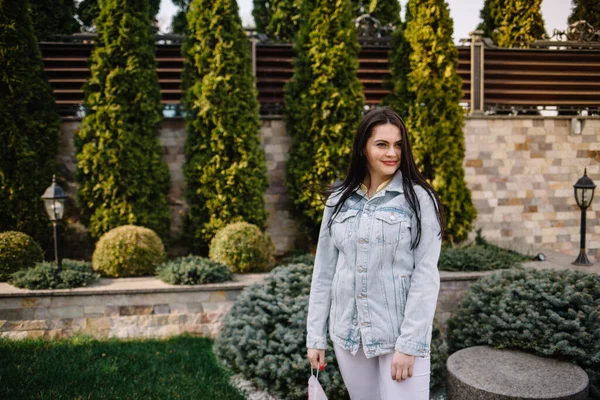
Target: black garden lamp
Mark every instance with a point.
(584, 194)
(54, 200)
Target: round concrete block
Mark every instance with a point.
(483, 372)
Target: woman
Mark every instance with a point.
(375, 282)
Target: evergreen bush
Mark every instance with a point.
(193, 270)
(225, 169)
(264, 336)
(434, 118)
(28, 126)
(552, 313)
(17, 251)
(243, 247)
(587, 10)
(323, 101)
(128, 251)
(439, 356)
(89, 10)
(46, 275)
(122, 177)
(512, 23)
(53, 17)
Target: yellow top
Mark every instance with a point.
(365, 189)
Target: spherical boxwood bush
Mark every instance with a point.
(552, 313)
(193, 270)
(46, 275)
(128, 251)
(264, 338)
(17, 251)
(243, 247)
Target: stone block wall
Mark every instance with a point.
(520, 170)
(119, 314)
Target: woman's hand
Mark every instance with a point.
(402, 366)
(317, 358)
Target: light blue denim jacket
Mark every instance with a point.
(368, 287)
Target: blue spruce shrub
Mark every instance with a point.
(551, 313)
(264, 336)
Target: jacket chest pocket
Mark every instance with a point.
(344, 225)
(391, 227)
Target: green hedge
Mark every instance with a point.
(121, 174)
(551, 313)
(193, 270)
(243, 247)
(225, 170)
(46, 275)
(17, 251)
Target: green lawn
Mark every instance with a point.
(80, 368)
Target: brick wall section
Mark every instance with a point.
(139, 314)
(521, 173)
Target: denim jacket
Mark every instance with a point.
(368, 287)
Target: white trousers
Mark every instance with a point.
(371, 378)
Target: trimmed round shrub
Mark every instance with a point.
(17, 251)
(551, 313)
(128, 250)
(264, 338)
(45, 275)
(243, 247)
(193, 270)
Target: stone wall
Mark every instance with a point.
(136, 312)
(521, 172)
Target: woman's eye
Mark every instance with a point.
(380, 144)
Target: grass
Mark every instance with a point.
(80, 368)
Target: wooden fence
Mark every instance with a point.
(505, 78)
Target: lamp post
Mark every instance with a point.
(54, 201)
(584, 194)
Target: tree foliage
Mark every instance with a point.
(512, 23)
(53, 17)
(28, 126)
(122, 177)
(179, 21)
(433, 116)
(280, 19)
(323, 101)
(588, 10)
(225, 169)
(89, 10)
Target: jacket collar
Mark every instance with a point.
(394, 186)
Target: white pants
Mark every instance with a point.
(371, 378)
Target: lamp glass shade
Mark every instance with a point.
(55, 208)
(584, 191)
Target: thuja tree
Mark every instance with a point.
(122, 177)
(588, 10)
(280, 19)
(225, 170)
(399, 63)
(28, 125)
(434, 117)
(323, 101)
(53, 17)
(512, 23)
(89, 10)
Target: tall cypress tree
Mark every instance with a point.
(399, 63)
(512, 23)
(323, 101)
(225, 168)
(434, 118)
(89, 10)
(280, 19)
(122, 177)
(53, 17)
(28, 126)
(588, 10)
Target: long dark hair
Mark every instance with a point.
(357, 172)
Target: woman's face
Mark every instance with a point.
(383, 151)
